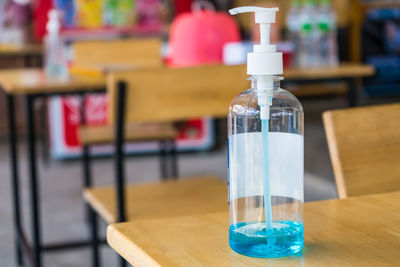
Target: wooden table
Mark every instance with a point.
(34, 81)
(344, 70)
(33, 84)
(26, 52)
(359, 231)
(349, 73)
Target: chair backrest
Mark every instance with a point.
(364, 145)
(144, 52)
(173, 94)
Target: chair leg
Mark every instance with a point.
(119, 156)
(87, 179)
(174, 161)
(163, 163)
(15, 180)
(91, 217)
(94, 238)
(119, 153)
(122, 262)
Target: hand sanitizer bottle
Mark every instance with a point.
(265, 126)
(55, 62)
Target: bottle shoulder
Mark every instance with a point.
(246, 102)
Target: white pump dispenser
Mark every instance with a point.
(53, 25)
(264, 61)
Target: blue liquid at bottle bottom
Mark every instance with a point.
(252, 239)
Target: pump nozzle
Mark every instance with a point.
(264, 60)
(263, 15)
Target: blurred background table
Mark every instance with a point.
(34, 81)
(30, 54)
(33, 84)
(358, 231)
(349, 73)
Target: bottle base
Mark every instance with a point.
(253, 239)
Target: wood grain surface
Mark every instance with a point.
(185, 196)
(34, 81)
(185, 93)
(359, 231)
(91, 135)
(364, 145)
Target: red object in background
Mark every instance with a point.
(199, 37)
(182, 6)
(96, 114)
(40, 11)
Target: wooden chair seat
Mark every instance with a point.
(92, 135)
(162, 199)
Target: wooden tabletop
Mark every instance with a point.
(34, 81)
(345, 70)
(29, 49)
(359, 231)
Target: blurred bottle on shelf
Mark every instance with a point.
(313, 33)
(56, 67)
(326, 21)
(292, 22)
(67, 8)
(14, 19)
(89, 13)
(119, 12)
(307, 48)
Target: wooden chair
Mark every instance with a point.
(102, 57)
(164, 95)
(111, 55)
(364, 145)
(128, 53)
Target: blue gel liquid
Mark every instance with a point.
(253, 239)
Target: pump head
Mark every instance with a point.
(53, 24)
(264, 60)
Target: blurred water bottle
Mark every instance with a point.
(307, 51)
(326, 21)
(119, 12)
(67, 8)
(293, 22)
(55, 61)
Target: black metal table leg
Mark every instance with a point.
(352, 93)
(163, 163)
(34, 185)
(174, 162)
(94, 240)
(119, 156)
(43, 131)
(91, 216)
(87, 178)
(15, 179)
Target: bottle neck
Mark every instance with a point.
(265, 82)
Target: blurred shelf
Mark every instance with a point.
(29, 49)
(71, 34)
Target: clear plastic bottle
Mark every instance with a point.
(308, 53)
(326, 21)
(248, 233)
(265, 128)
(55, 61)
